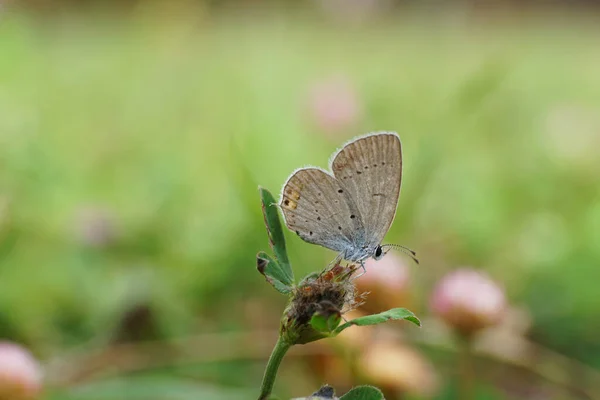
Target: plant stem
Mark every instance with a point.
(466, 380)
(281, 347)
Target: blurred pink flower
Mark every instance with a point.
(334, 105)
(398, 367)
(20, 373)
(356, 11)
(391, 271)
(387, 280)
(468, 301)
(95, 227)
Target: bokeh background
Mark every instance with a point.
(134, 135)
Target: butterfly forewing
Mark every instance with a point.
(370, 169)
(319, 209)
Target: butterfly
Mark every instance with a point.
(350, 208)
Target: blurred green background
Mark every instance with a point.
(133, 139)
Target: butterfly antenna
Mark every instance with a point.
(412, 254)
(404, 248)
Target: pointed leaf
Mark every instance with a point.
(276, 238)
(393, 314)
(272, 272)
(363, 393)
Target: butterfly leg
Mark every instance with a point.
(364, 270)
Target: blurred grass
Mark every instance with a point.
(169, 127)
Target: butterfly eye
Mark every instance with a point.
(378, 253)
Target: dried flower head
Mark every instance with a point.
(330, 293)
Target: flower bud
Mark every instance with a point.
(326, 392)
(468, 301)
(20, 373)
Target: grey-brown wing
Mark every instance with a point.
(370, 168)
(319, 210)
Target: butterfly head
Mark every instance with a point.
(379, 253)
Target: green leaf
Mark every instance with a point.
(272, 272)
(327, 319)
(393, 314)
(276, 238)
(363, 393)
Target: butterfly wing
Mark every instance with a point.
(370, 168)
(318, 208)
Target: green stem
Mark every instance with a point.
(281, 347)
(467, 377)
